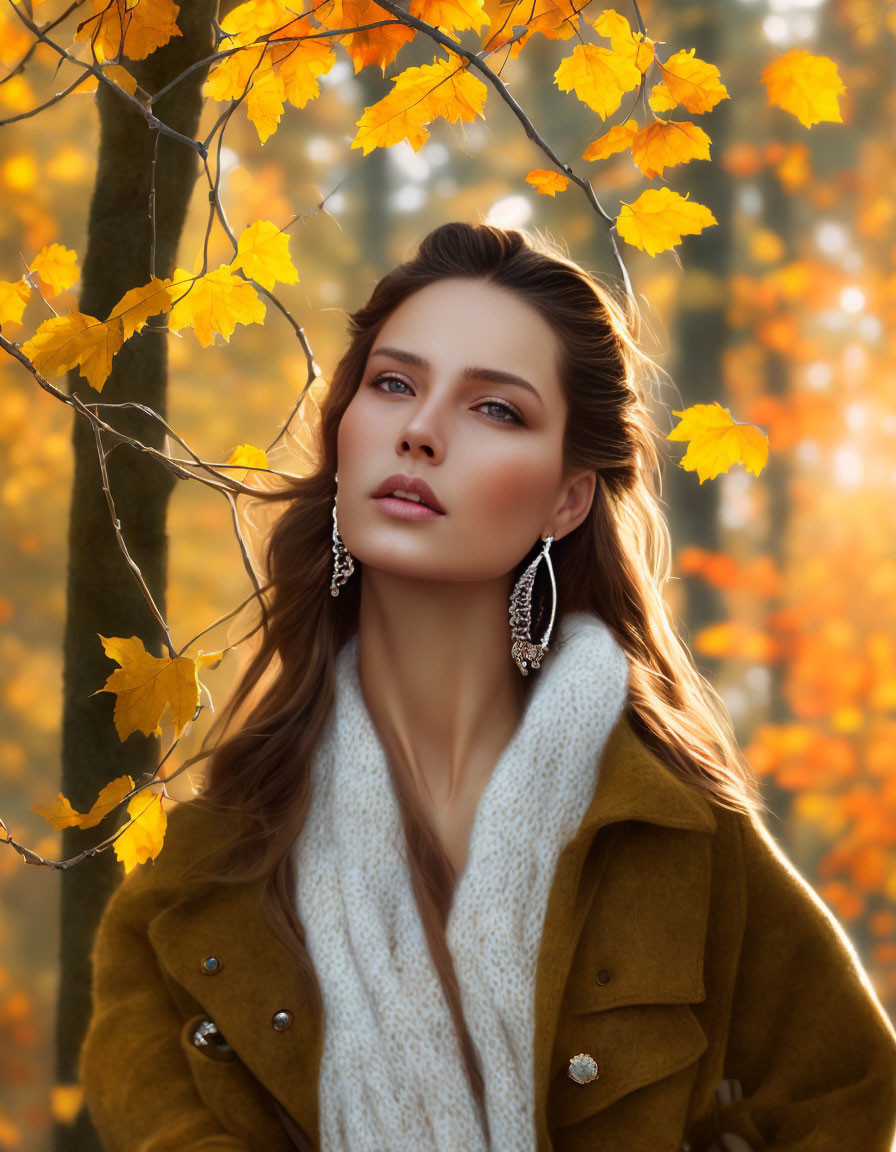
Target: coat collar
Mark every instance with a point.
(634, 784)
(258, 976)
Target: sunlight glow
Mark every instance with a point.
(736, 499)
(856, 416)
(749, 199)
(790, 20)
(819, 375)
(320, 149)
(849, 468)
(229, 159)
(412, 165)
(408, 198)
(852, 299)
(436, 154)
(510, 212)
(831, 238)
(335, 203)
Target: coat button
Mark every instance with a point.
(281, 1020)
(603, 977)
(211, 964)
(582, 1068)
(209, 1039)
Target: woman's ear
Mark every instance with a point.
(577, 496)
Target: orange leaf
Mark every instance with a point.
(668, 142)
(145, 684)
(138, 304)
(717, 441)
(689, 81)
(598, 76)
(64, 341)
(143, 838)
(57, 266)
(617, 139)
(14, 295)
(60, 814)
(548, 181)
(659, 218)
(634, 45)
(806, 85)
(147, 26)
(419, 95)
(216, 302)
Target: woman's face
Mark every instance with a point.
(491, 450)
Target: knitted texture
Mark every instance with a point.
(392, 1075)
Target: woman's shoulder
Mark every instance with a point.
(194, 832)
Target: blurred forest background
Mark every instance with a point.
(785, 313)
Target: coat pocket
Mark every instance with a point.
(229, 1090)
(630, 1047)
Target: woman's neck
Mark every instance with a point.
(438, 680)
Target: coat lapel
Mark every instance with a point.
(656, 878)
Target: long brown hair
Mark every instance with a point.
(615, 565)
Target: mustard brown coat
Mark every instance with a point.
(722, 1002)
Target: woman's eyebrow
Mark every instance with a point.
(488, 375)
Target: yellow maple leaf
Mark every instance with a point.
(300, 63)
(263, 254)
(216, 302)
(138, 304)
(62, 342)
(148, 25)
(248, 456)
(419, 95)
(142, 839)
(668, 142)
(548, 181)
(717, 441)
(451, 15)
(287, 67)
(60, 814)
(690, 81)
(120, 76)
(553, 19)
(616, 139)
(377, 46)
(145, 684)
(806, 85)
(659, 218)
(266, 99)
(640, 49)
(57, 266)
(598, 76)
(14, 295)
(231, 76)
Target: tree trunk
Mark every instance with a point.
(102, 594)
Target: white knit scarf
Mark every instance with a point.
(392, 1075)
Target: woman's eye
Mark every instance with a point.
(509, 414)
(383, 379)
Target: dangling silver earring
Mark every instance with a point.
(525, 649)
(343, 563)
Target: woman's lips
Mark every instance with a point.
(405, 509)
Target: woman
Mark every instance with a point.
(481, 865)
